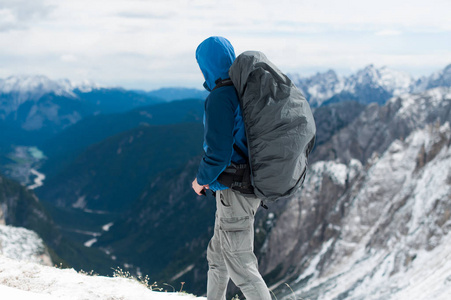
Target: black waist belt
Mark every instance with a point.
(238, 178)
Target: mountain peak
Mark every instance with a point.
(38, 85)
(369, 67)
(27, 83)
(440, 78)
(370, 72)
(326, 76)
(392, 81)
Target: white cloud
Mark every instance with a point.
(7, 19)
(388, 32)
(20, 14)
(152, 43)
(68, 58)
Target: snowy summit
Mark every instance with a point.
(27, 280)
(35, 86)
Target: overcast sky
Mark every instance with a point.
(148, 44)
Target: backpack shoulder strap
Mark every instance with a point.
(227, 82)
(222, 82)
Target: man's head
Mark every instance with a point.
(215, 55)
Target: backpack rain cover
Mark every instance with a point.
(279, 124)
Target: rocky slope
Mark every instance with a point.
(109, 176)
(20, 207)
(375, 210)
(71, 142)
(377, 127)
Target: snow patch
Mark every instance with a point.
(335, 171)
(183, 272)
(23, 244)
(24, 280)
(90, 242)
(80, 203)
(312, 266)
(107, 227)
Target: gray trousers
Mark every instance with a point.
(230, 253)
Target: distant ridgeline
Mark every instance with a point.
(368, 85)
(118, 183)
(34, 108)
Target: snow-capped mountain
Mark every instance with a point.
(441, 78)
(370, 84)
(356, 231)
(32, 108)
(33, 87)
(320, 87)
(23, 244)
(394, 82)
(373, 218)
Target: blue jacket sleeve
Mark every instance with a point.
(218, 136)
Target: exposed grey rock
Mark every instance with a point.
(331, 118)
(375, 129)
(368, 218)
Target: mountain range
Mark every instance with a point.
(64, 146)
(34, 108)
(370, 84)
(36, 102)
(373, 218)
(373, 211)
(110, 175)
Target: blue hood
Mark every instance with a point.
(215, 55)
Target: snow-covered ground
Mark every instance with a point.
(27, 280)
(23, 244)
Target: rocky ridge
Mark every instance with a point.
(371, 216)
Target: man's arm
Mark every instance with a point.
(219, 124)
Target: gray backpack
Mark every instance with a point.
(279, 125)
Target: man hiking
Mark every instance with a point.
(230, 252)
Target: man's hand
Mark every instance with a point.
(199, 188)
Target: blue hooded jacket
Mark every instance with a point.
(223, 122)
